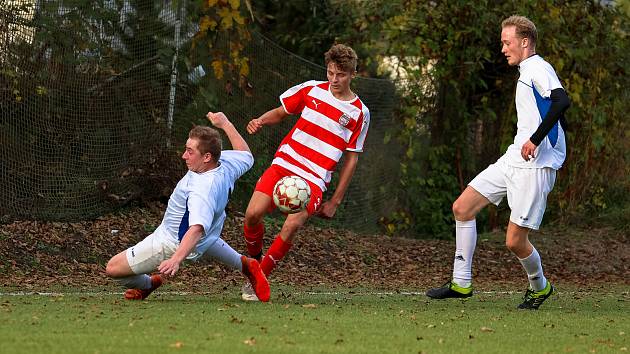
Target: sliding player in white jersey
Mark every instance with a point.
(525, 174)
(194, 217)
(333, 121)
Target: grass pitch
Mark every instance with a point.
(325, 321)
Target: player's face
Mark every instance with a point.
(512, 46)
(339, 79)
(195, 160)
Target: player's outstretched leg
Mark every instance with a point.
(450, 290)
(257, 280)
(141, 294)
(533, 299)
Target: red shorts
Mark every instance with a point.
(272, 175)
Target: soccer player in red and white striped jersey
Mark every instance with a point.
(332, 121)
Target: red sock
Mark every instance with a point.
(275, 253)
(254, 239)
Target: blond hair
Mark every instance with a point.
(525, 28)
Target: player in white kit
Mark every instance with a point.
(194, 217)
(525, 173)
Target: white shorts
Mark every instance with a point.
(526, 190)
(146, 255)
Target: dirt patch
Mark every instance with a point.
(38, 255)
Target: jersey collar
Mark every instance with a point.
(526, 61)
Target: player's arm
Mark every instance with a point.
(329, 208)
(187, 244)
(559, 104)
(271, 117)
(221, 121)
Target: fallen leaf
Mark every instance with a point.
(177, 344)
(69, 254)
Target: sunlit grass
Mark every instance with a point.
(347, 321)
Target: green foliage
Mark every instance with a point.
(594, 72)
(219, 22)
(303, 27)
(445, 53)
(213, 56)
(457, 111)
(308, 28)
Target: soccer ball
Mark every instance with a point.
(291, 194)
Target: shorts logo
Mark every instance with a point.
(344, 119)
(459, 257)
(133, 254)
(317, 204)
(524, 218)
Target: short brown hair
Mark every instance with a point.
(525, 28)
(343, 56)
(209, 140)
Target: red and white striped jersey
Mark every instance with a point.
(326, 128)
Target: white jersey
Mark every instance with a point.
(533, 101)
(201, 198)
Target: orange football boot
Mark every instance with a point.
(251, 269)
(141, 294)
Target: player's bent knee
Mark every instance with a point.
(461, 211)
(254, 215)
(114, 269)
(253, 218)
(514, 246)
(110, 269)
(291, 226)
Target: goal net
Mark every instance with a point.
(97, 99)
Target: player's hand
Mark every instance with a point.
(169, 267)
(254, 125)
(327, 210)
(218, 119)
(528, 151)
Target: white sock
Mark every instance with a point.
(465, 242)
(533, 267)
(225, 254)
(138, 281)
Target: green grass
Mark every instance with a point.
(359, 321)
